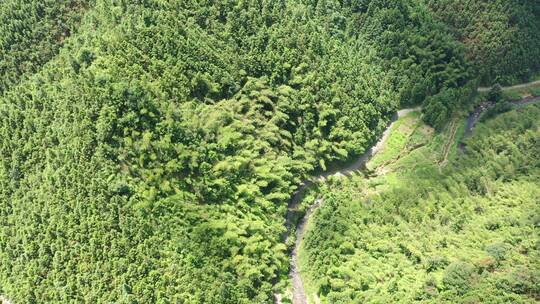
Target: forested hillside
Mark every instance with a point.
(32, 32)
(465, 233)
(152, 159)
(148, 149)
(502, 37)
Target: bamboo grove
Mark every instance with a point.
(148, 148)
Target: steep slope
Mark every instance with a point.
(152, 159)
(32, 32)
(502, 37)
(424, 234)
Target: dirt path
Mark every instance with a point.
(519, 86)
(299, 295)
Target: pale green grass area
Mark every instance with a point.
(397, 141)
(460, 132)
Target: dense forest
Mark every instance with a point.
(502, 37)
(32, 32)
(466, 234)
(148, 149)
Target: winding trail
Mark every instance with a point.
(299, 295)
(519, 86)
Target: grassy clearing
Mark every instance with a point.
(424, 152)
(309, 286)
(397, 141)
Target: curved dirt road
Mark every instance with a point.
(299, 293)
(519, 86)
